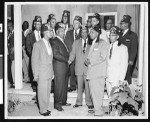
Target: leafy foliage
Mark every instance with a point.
(125, 100)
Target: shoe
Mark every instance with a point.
(46, 113)
(34, 98)
(75, 106)
(12, 86)
(91, 111)
(90, 107)
(71, 89)
(67, 104)
(59, 108)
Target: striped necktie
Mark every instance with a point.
(111, 51)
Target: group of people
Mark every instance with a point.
(85, 55)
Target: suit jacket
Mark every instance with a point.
(130, 39)
(11, 45)
(69, 39)
(97, 56)
(30, 40)
(79, 57)
(118, 63)
(41, 62)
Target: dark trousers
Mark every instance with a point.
(129, 74)
(73, 79)
(9, 71)
(60, 86)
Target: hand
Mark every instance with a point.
(36, 79)
(69, 62)
(130, 63)
(87, 62)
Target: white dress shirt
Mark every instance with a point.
(48, 47)
(37, 35)
(77, 33)
(83, 43)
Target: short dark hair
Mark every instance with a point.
(25, 25)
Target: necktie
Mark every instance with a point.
(84, 46)
(75, 34)
(39, 37)
(111, 51)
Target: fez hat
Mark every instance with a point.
(66, 13)
(59, 25)
(50, 17)
(38, 19)
(97, 16)
(78, 18)
(115, 30)
(126, 19)
(84, 27)
(45, 27)
(97, 28)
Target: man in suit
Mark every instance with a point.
(96, 72)
(60, 65)
(42, 57)
(96, 21)
(70, 37)
(33, 37)
(117, 60)
(10, 27)
(52, 23)
(109, 24)
(66, 20)
(11, 50)
(130, 39)
(25, 64)
(80, 49)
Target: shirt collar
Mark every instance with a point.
(83, 40)
(60, 38)
(125, 31)
(77, 31)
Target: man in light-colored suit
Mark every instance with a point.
(79, 53)
(96, 73)
(42, 67)
(117, 60)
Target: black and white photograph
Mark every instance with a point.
(75, 60)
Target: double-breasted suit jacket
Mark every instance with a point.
(60, 65)
(43, 71)
(97, 56)
(117, 64)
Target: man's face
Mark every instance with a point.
(94, 22)
(53, 22)
(84, 34)
(113, 37)
(89, 22)
(10, 27)
(123, 25)
(65, 19)
(50, 34)
(38, 26)
(109, 24)
(76, 24)
(61, 32)
(93, 34)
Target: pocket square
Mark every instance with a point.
(95, 49)
(127, 40)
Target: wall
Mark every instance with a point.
(30, 11)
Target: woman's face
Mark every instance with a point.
(53, 23)
(65, 19)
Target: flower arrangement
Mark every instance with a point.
(125, 100)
